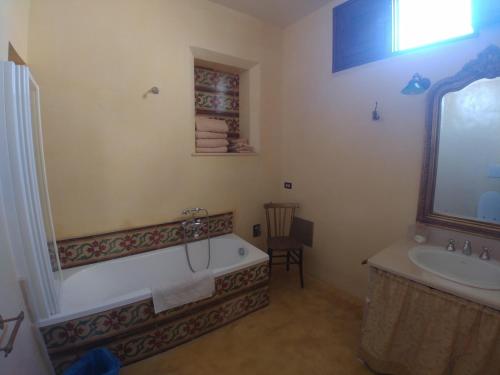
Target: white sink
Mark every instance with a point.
(454, 266)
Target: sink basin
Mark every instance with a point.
(454, 266)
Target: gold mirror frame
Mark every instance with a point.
(486, 65)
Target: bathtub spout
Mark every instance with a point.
(194, 226)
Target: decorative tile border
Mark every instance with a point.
(162, 337)
(217, 103)
(211, 80)
(98, 248)
(83, 331)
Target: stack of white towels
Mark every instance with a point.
(211, 135)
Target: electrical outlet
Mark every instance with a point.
(288, 185)
(256, 230)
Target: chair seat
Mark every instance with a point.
(283, 243)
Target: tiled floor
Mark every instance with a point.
(310, 331)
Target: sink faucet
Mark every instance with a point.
(485, 254)
(467, 250)
(451, 245)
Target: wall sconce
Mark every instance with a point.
(417, 85)
(376, 113)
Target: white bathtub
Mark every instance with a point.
(102, 286)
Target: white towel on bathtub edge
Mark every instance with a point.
(201, 285)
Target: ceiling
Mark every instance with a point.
(280, 13)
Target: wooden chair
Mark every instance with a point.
(280, 244)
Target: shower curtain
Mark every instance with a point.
(23, 189)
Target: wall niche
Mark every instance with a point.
(226, 91)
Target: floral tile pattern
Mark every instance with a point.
(160, 337)
(216, 103)
(99, 326)
(81, 251)
(212, 80)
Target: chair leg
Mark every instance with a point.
(270, 252)
(287, 261)
(301, 261)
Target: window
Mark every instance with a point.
(369, 30)
(424, 22)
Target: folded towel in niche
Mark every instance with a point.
(236, 145)
(198, 286)
(241, 149)
(240, 145)
(210, 135)
(205, 143)
(205, 124)
(208, 150)
(238, 141)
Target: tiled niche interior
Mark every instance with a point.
(217, 94)
(228, 87)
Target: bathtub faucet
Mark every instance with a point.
(194, 225)
(194, 211)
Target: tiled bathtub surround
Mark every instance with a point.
(134, 331)
(81, 331)
(98, 248)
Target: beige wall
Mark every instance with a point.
(14, 17)
(468, 144)
(357, 179)
(116, 160)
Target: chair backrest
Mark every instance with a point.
(279, 217)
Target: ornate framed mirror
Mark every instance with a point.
(460, 186)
